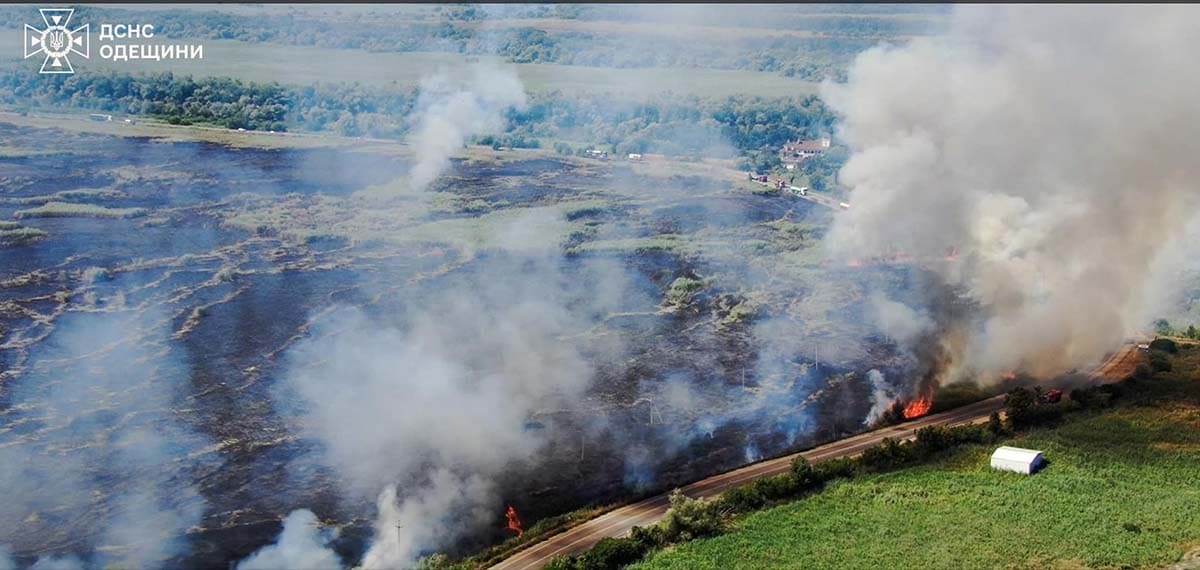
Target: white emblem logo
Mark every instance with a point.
(56, 41)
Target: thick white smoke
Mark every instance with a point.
(302, 545)
(1052, 145)
(882, 396)
(454, 107)
(431, 412)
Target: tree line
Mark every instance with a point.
(666, 123)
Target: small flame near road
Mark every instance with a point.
(917, 408)
(514, 522)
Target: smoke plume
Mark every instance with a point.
(454, 107)
(1052, 145)
(301, 546)
(882, 396)
(433, 408)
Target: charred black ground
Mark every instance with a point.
(237, 252)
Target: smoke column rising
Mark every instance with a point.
(1053, 145)
(453, 108)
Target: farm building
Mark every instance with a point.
(796, 152)
(1017, 460)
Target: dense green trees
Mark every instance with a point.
(668, 124)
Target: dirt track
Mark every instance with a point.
(618, 522)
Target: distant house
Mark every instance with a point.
(100, 118)
(795, 152)
(635, 156)
(597, 153)
(1017, 460)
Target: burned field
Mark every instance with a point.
(170, 358)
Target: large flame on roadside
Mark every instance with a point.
(918, 408)
(514, 522)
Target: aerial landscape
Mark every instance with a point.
(585, 286)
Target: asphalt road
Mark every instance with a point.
(618, 522)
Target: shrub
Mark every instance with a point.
(888, 454)
(994, 426)
(804, 474)
(1164, 344)
(744, 499)
(690, 518)
(1142, 371)
(611, 554)
(778, 487)
(1018, 406)
(561, 563)
(930, 440)
(650, 536)
(1159, 361)
(834, 469)
(894, 414)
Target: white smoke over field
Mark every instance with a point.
(433, 410)
(301, 546)
(110, 455)
(1053, 146)
(423, 416)
(455, 107)
(882, 396)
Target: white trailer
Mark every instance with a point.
(1017, 460)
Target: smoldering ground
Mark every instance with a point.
(1051, 146)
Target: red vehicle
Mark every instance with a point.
(1052, 397)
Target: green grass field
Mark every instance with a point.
(1120, 492)
(303, 65)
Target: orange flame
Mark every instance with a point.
(514, 522)
(917, 408)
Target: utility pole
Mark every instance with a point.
(399, 538)
(582, 443)
(653, 411)
(743, 377)
(816, 356)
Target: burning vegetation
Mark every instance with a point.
(917, 408)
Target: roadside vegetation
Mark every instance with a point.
(1118, 492)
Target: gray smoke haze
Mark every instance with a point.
(1052, 145)
(455, 106)
(102, 461)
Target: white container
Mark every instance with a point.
(1017, 460)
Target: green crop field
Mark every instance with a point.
(302, 65)
(1120, 492)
